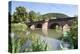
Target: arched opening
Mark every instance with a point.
(54, 26)
(39, 26)
(29, 26)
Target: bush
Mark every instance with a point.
(74, 32)
(19, 30)
(73, 35)
(15, 27)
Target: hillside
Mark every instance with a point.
(57, 15)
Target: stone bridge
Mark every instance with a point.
(52, 23)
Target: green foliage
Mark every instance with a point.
(72, 36)
(20, 15)
(68, 39)
(17, 44)
(19, 30)
(32, 16)
(39, 17)
(39, 46)
(18, 27)
(74, 33)
(37, 43)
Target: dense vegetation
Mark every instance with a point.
(74, 33)
(72, 36)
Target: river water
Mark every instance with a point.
(51, 39)
(52, 33)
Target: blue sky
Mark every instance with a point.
(44, 8)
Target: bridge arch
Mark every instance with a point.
(54, 25)
(39, 25)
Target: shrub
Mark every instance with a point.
(18, 27)
(19, 30)
(74, 32)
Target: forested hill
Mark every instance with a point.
(57, 15)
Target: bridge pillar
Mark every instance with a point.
(66, 28)
(45, 27)
(32, 27)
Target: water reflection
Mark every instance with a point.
(45, 32)
(50, 36)
(45, 35)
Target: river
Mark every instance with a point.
(51, 39)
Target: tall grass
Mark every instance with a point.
(20, 38)
(37, 43)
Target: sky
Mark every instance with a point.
(43, 8)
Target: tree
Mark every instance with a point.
(32, 16)
(74, 33)
(39, 16)
(20, 14)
